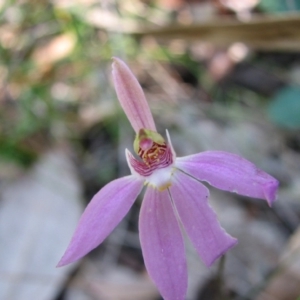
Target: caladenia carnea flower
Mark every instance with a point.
(174, 196)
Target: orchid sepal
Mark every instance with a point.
(131, 97)
(230, 172)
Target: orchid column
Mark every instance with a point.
(174, 196)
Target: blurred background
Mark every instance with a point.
(219, 74)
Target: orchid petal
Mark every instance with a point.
(230, 172)
(200, 222)
(131, 97)
(101, 216)
(131, 160)
(171, 146)
(162, 245)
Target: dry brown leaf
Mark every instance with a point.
(56, 49)
(285, 284)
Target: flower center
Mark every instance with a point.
(157, 158)
(154, 152)
(152, 155)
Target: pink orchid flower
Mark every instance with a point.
(174, 197)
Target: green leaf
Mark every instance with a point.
(279, 6)
(284, 108)
(10, 151)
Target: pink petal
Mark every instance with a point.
(230, 172)
(190, 198)
(101, 216)
(131, 97)
(171, 146)
(162, 245)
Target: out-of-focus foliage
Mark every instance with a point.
(45, 69)
(279, 6)
(284, 108)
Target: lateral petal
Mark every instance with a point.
(200, 222)
(162, 245)
(131, 97)
(230, 172)
(101, 216)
